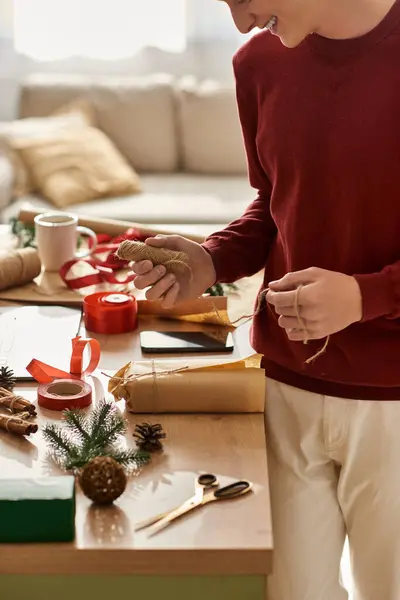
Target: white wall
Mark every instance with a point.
(212, 42)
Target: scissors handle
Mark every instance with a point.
(232, 490)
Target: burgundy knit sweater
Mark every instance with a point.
(321, 126)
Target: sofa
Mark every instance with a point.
(181, 136)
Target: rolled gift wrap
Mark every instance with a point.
(191, 386)
(37, 510)
(64, 394)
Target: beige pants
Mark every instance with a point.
(334, 468)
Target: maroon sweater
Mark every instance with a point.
(321, 126)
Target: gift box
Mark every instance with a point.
(191, 386)
(37, 510)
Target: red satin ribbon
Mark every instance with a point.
(103, 315)
(44, 373)
(104, 268)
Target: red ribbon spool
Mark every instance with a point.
(110, 313)
(63, 394)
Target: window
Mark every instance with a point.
(97, 29)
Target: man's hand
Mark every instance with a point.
(327, 302)
(170, 288)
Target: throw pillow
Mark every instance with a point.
(75, 115)
(71, 167)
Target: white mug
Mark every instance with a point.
(56, 235)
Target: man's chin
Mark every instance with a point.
(291, 40)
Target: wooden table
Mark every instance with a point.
(221, 551)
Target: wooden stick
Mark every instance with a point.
(109, 226)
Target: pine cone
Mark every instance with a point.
(103, 480)
(7, 378)
(148, 437)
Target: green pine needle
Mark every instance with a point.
(83, 437)
(76, 422)
(126, 457)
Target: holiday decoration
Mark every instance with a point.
(18, 425)
(103, 480)
(148, 437)
(7, 378)
(83, 437)
(16, 404)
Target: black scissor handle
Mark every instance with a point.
(232, 490)
(207, 479)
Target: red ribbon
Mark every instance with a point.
(104, 268)
(44, 373)
(110, 313)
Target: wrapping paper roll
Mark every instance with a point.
(109, 226)
(191, 386)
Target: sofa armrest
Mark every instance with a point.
(6, 180)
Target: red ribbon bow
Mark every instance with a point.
(44, 373)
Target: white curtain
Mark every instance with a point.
(98, 29)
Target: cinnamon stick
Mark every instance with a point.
(16, 404)
(17, 425)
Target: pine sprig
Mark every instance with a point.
(83, 437)
(76, 423)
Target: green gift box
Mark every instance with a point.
(37, 510)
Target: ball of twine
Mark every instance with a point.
(19, 267)
(103, 480)
(175, 262)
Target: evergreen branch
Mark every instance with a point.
(57, 438)
(99, 417)
(77, 422)
(130, 457)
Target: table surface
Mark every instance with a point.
(231, 537)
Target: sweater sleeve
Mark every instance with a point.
(241, 249)
(380, 293)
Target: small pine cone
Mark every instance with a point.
(148, 437)
(103, 480)
(7, 378)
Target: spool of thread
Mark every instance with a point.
(64, 394)
(110, 313)
(19, 267)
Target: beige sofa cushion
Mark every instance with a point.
(137, 114)
(211, 136)
(72, 167)
(74, 115)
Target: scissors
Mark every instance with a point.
(233, 490)
(202, 483)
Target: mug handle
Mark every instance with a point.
(89, 233)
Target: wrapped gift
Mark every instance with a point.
(206, 310)
(37, 509)
(191, 386)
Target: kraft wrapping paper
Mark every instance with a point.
(191, 386)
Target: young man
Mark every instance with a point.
(319, 104)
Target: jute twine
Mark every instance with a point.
(175, 262)
(19, 267)
(178, 262)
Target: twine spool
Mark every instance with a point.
(175, 262)
(19, 267)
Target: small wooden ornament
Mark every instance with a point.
(103, 480)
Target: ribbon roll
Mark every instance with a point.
(110, 313)
(64, 394)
